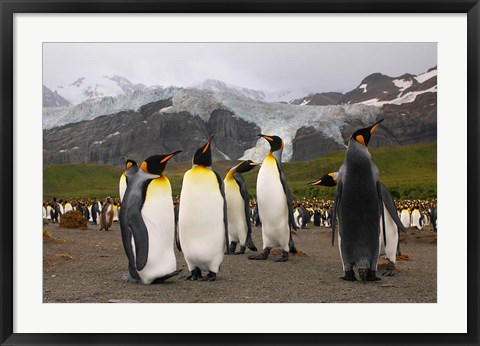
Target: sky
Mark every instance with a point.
(302, 67)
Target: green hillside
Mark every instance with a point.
(408, 171)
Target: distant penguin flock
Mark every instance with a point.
(213, 216)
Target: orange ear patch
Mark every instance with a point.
(129, 164)
(360, 139)
(144, 167)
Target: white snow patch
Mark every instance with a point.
(407, 98)
(165, 109)
(364, 87)
(226, 157)
(305, 102)
(98, 142)
(402, 84)
(113, 134)
(426, 76)
(75, 148)
(62, 151)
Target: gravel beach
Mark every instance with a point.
(86, 266)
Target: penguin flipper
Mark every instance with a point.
(392, 210)
(291, 219)
(338, 195)
(246, 202)
(380, 199)
(140, 237)
(225, 219)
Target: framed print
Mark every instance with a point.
(92, 90)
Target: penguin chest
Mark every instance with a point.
(122, 185)
(272, 204)
(237, 223)
(158, 215)
(201, 219)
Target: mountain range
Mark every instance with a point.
(105, 120)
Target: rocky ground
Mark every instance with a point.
(86, 266)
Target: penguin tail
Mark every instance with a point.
(291, 245)
(168, 276)
(363, 273)
(249, 243)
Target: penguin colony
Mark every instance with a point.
(214, 215)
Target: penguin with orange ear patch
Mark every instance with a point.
(147, 223)
(202, 217)
(274, 204)
(131, 168)
(359, 207)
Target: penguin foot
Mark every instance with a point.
(261, 256)
(283, 257)
(128, 278)
(372, 276)
(241, 252)
(349, 276)
(231, 248)
(211, 276)
(390, 270)
(196, 274)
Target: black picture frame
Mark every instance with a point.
(10, 7)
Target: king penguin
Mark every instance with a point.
(147, 223)
(359, 207)
(392, 223)
(131, 168)
(238, 208)
(274, 203)
(202, 218)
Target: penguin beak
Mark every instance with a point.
(316, 182)
(254, 164)
(374, 126)
(169, 156)
(207, 145)
(268, 138)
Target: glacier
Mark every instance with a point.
(281, 119)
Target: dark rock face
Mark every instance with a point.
(309, 144)
(319, 99)
(52, 98)
(232, 135)
(137, 135)
(408, 123)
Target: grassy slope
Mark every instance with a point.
(408, 171)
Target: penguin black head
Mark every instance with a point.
(203, 155)
(156, 164)
(246, 166)
(326, 180)
(363, 135)
(276, 143)
(130, 163)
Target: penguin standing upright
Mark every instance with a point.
(131, 168)
(392, 222)
(238, 208)
(405, 217)
(147, 223)
(202, 217)
(274, 203)
(359, 206)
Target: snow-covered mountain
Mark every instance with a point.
(89, 89)
(378, 89)
(53, 99)
(408, 102)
